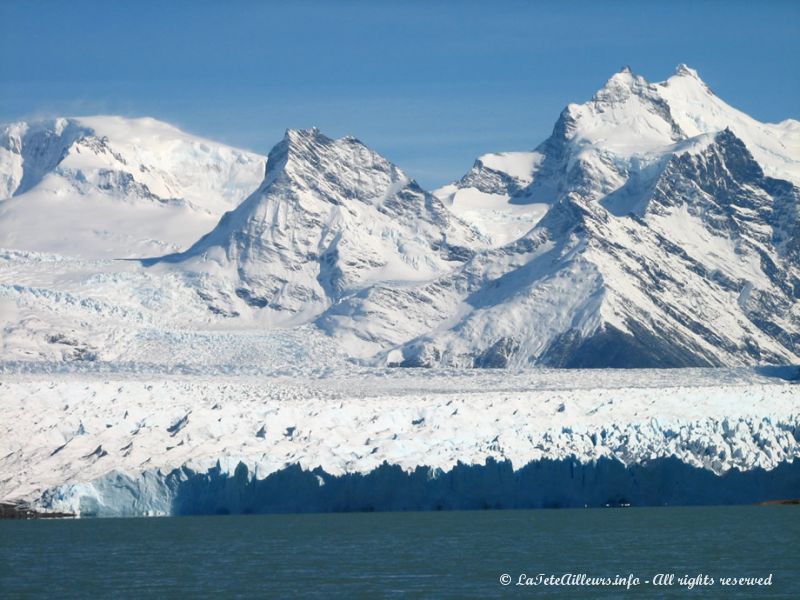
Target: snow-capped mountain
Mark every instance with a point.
(704, 273)
(661, 244)
(331, 218)
(656, 226)
(482, 197)
(110, 186)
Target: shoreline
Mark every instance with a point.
(19, 512)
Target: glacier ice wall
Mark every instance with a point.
(546, 483)
(129, 444)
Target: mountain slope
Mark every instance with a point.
(481, 197)
(331, 217)
(115, 187)
(706, 274)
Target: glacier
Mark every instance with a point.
(128, 444)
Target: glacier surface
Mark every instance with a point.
(122, 444)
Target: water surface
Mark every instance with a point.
(426, 554)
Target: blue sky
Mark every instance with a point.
(429, 84)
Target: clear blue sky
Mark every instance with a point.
(429, 84)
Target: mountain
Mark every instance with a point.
(661, 245)
(595, 147)
(111, 186)
(331, 218)
(656, 227)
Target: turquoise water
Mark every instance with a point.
(424, 555)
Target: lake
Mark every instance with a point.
(460, 554)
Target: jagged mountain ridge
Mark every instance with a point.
(115, 186)
(330, 218)
(591, 289)
(596, 146)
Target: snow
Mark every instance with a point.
(632, 117)
(519, 165)
(622, 134)
(115, 187)
(331, 218)
(483, 197)
(718, 252)
(492, 214)
(698, 110)
(622, 118)
(671, 253)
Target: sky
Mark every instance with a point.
(431, 85)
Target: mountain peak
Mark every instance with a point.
(134, 185)
(304, 154)
(330, 217)
(620, 86)
(683, 70)
(294, 135)
(312, 137)
(624, 76)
